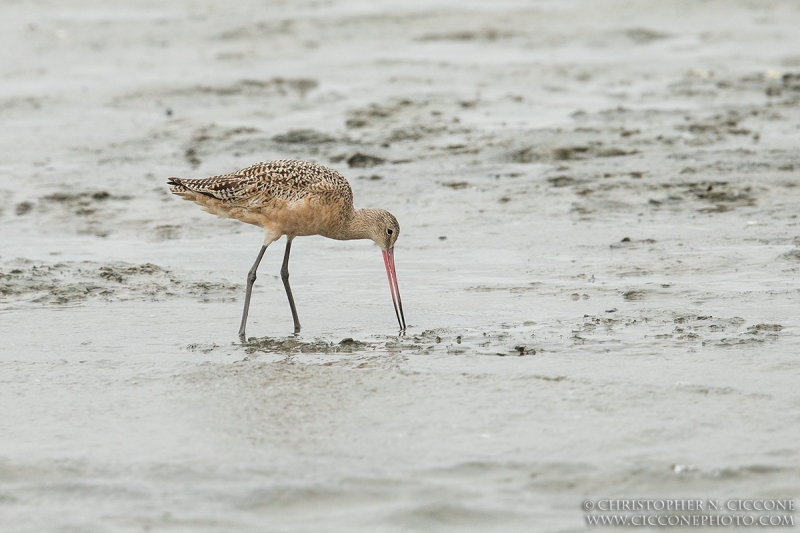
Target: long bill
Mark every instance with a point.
(388, 260)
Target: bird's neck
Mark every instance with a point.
(357, 226)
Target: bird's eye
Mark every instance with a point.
(389, 231)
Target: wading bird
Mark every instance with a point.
(294, 198)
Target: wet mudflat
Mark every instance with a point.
(598, 262)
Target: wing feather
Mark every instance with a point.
(284, 179)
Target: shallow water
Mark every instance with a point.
(598, 264)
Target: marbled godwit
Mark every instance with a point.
(294, 198)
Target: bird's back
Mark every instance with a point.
(285, 196)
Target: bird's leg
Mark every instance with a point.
(285, 278)
(251, 279)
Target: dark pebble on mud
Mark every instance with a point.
(23, 208)
(305, 136)
(191, 157)
(634, 295)
(561, 181)
(359, 160)
(569, 152)
(614, 152)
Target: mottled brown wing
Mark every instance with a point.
(284, 179)
(291, 180)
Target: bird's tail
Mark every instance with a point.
(176, 185)
(227, 187)
(188, 188)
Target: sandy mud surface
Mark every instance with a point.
(598, 263)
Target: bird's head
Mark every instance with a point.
(383, 228)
